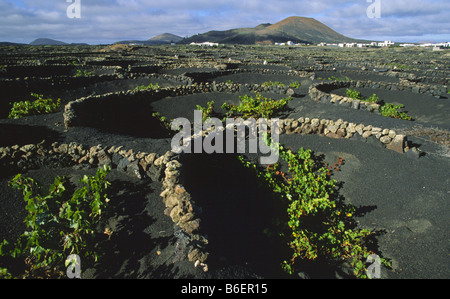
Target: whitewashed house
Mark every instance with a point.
(387, 43)
(205, 44)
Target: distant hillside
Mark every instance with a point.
(47, 42)
(162, 39)
(166, 38)
(10, 44)
(295, 29)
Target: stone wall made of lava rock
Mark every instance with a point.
(339, 129)
(179, 205)
(321, 92)
(81, 113)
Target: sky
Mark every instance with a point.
(109, 21)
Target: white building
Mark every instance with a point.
(387, 43)
(357, 45)
(205, 44)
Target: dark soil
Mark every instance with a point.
(424, 109)
(368, 75)
(404, 199)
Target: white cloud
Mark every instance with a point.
(113, 20)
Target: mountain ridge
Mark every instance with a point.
(52, 42)
(162, 39)
(167, 37)
(295, 29)
(46, 42)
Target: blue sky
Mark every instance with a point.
(107, 21)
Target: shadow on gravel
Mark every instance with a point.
(119, 116)
(236, 216)
(126, 250)
(243, 219)
(23, 134)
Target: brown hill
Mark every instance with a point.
(166, 38)
(295, 29)
(162, 39)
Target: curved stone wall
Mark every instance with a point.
(86, 111)
(144, 166)
(321, 92)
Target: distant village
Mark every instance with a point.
(388, 43)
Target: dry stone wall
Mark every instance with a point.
(341, 129)
(166, 168)
(81, 113)
(78, 113)
(320, 92)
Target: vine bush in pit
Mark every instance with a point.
(387, 109)
(319, 226)
(83, 74)
(248, 107)
(393, 111)
(354, 94)
(255, 107)
(270, 83)
(151, 86)
(295, 84)
(206, 112)
(36, 107)
(57, 226)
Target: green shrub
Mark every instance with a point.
(393, 111)
(57, 226)
(83, 73)
(148, 87)
(37, 107)
(387, 110)
(248, 107)
(319, 226)
(354, 94)
(372, 99)
(207, 111)
(255, 107)
(165, 123)
(295, 84)
(270, 83)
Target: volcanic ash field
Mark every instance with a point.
(206, 215)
